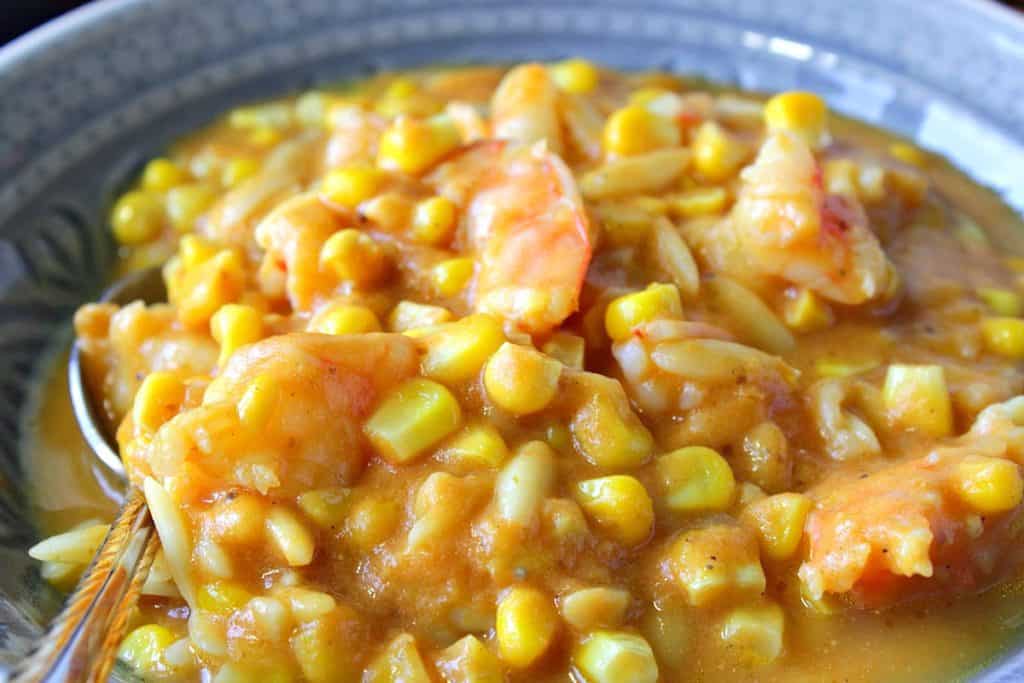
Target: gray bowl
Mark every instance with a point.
(86, 98)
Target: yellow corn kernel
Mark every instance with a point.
(259, 401)
(696, 478)
(264, 136)
(609, 434)
(290, 536)
(616, 657)
(345, 319)
(755, 633)
(717, 564)
(526, 625)
(143, 648)
(457, 351)
(414, 417)
(478, 445)
(186, 203)
(352, 185)
(222, 597)
(626, 313)
(619, 506)
(400, 662)
(353, 255)
(835, 368)
(137, 217)
(233, 326)
(162, 175)
(916, 397)
(206, 288)
(1015, 263)
(322, 657)
(469, 661)
(802, 113)
(451, 276)
(238, 520)
(158, 400)
(778, 522)
(717, 155)
(409, 315)
(433, 221)
(908, 154)
(566, 348)
(237, 171)
(195, 251)
(634, 129)
(806, 312)
(413, 145)
(590, 608)
(576, 76)
(372, 521)
(1002, 301)
(326, 507)
(1004, 336)
(700, 201)
(989, 485)
(521, 380)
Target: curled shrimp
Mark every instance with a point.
(784, 225)
(316, 391)
(712, 386)
(524, 107)
(526, 224)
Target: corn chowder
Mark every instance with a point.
(490, 374)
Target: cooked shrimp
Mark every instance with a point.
(317, 390)
(292, 235)
(355, 133)
(713, 386)
(846, 435)
(785, 226)
(526, 224)
(525, 107)
(948, 522)
(903, 532)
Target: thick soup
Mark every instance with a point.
(495, 374)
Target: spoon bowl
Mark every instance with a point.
(143, 285)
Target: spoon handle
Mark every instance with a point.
(82, 642)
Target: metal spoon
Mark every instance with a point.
(82, 641)
(143, 285)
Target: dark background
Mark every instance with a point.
(22, 15)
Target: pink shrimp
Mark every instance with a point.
(785, 226)
(526, 225)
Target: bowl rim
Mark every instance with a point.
(27, 45)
